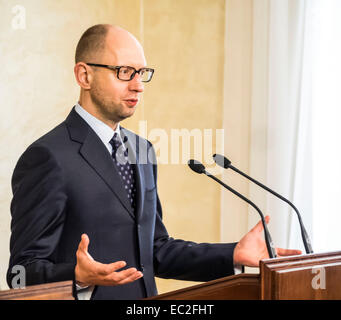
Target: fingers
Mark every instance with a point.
(84, 243)
(133, 277)
(105, 269)
(288, 252)
(83, 247)
(121, 277)
(128, 275)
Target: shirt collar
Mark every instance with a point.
(104, 132)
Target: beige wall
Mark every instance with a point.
(185, 41)
(236, 114)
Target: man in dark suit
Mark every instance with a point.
(89, 178)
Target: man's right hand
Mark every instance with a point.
(89, 272)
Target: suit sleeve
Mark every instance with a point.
(187, 260)
(38, 214)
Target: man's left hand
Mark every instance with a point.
(252, 248)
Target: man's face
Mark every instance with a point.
(115, 99)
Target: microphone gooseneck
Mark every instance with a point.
(225, 163)
(198, 167)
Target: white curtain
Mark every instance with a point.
(326, 127)
(295, 118)
(281, 116)
(288, 138)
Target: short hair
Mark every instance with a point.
(91, 42)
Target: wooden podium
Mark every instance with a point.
(311, 276)
(49, 291)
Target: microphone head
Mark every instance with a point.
(221, 161)
(196, 166)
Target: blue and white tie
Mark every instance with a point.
(125, 169)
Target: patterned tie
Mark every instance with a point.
(125, 169)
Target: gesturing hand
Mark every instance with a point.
(90, 272)
(252, 248)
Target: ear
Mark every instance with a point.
(83, 74)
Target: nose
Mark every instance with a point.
(136, 84)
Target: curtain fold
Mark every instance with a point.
(285, 108)
(295, 123)
(326, 129)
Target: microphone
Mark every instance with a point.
(225, 163)
(198, 167)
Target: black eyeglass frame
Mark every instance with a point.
(118, 68)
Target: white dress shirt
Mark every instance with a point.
(104, 132)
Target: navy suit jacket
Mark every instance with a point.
(66, 184)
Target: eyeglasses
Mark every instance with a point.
(126, 73)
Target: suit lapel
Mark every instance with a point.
(98, 157)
